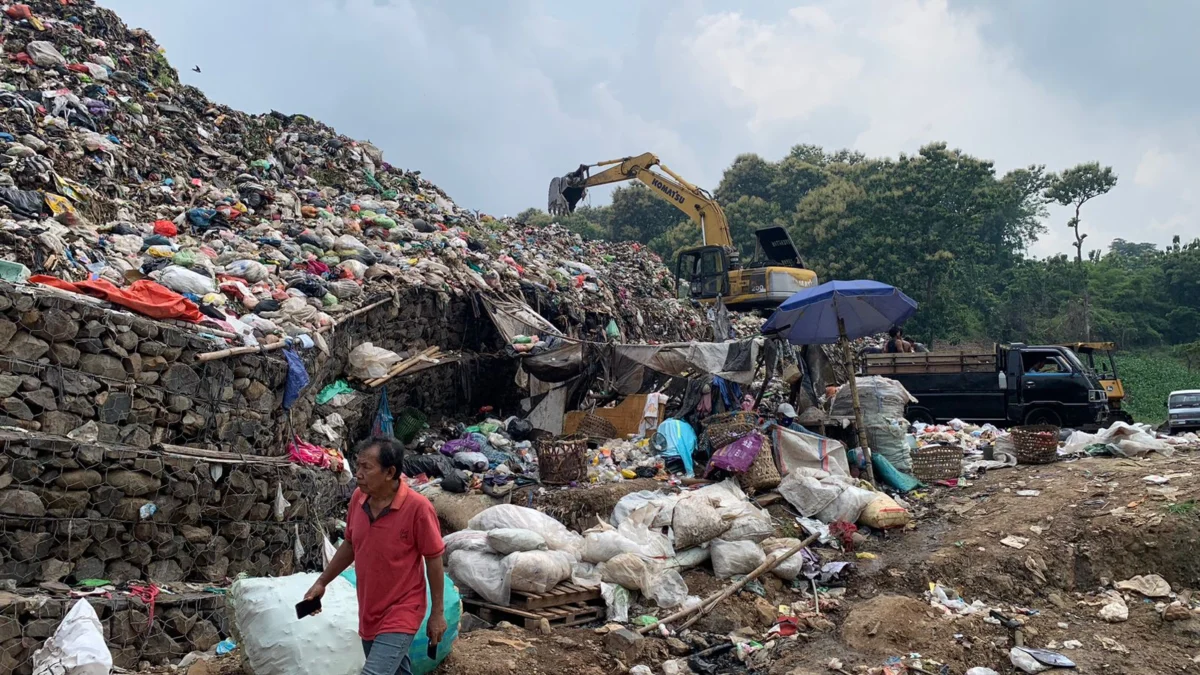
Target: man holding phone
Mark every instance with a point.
(391, 534)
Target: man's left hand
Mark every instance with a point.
(436, 628)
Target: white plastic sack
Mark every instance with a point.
(635, 500)
(274, 642)
(507, 540)
(617, 600)
(693, 557)
(250, 270)
(629, 570)
(754, 526)
(45, 54)
(368, 361)
(557, 536)
(182, 280)
(848, 506)
(537, 571)
(696, 521)
(77, 646)
(788, 569)
(735, 557)
(603, 545)
(637, 528)
(484, 573)
(585, 574)
(667, 589)
(797, 449)
(348, 242)
(466, 540)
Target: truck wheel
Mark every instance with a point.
(920, 415)
(1044, 416)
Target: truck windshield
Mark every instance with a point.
(1075, 362)
(1184, 401)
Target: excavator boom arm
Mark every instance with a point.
(695, 202)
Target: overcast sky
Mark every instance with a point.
(491, 98)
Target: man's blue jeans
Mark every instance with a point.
(387, 654)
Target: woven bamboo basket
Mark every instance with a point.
(737, 416)
(718, 436)
(762, 475)
(1036, 444)
(937, 462)
(596, 428)
(562, 460)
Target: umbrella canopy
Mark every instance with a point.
(810, 317)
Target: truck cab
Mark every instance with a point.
(1183, 411)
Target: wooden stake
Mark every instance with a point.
(706, 605)
(399, 368)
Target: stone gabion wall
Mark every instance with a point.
(74, 511)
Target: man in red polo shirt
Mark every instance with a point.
(390, 531)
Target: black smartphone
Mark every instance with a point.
(307, 607)
(432, 653)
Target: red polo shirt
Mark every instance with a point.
(389, 561)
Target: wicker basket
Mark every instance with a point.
(562, 460)
(596, 428)
(735, 417)
(1036, 444)
(718, 436)
(937, 462)
(762, 475)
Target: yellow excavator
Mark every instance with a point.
(712, 270)
(1100, 358)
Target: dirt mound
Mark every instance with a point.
(889, 625)
(515, 651)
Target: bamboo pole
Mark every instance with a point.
(858, 416)
(237, 351)
(713, 600)
(399, 368)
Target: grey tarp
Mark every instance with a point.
(732, 361)
(513, 318)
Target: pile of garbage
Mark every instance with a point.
(119, 182)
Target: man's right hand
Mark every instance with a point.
(315, 593)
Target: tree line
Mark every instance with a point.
(948, 230)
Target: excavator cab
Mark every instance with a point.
(702, 273)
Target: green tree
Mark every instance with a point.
(1075, 187)
(637, 214)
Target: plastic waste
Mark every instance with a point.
(507, 540)
(77, 646)
(695, 520)
(476, 462)
(883, 513)
(369, 362)
(183, 280)
(45, 54)
(735, 557)
(484, 573)
(466, 540)
(667, 589)
(330, 391)
(627, 569)
(557, 536)
(537, 571)
(791, 568)
(617, 600)
(1025, 662)
(273, 642)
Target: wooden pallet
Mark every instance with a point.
(562, 594)
(574, 614)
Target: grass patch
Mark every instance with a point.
(1183, 508)
(1149, 377)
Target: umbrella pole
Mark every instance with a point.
(858, 416)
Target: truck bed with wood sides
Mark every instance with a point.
(931, 362)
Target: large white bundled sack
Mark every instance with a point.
(484, 573)
(635, 500)
(507, 540)
(754, 525)
(557, 536)
(628, 570)
(638, 528)
(696, 521)
(537, 571)
(602, 545)
(667, 588)
(183, 280)
(368, 361)
(274, 642)
(730, 558)
(792, 567)
(466, 540)
(77, 646)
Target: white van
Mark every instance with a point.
(1183, 410)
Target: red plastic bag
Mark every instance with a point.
(303, 452)
(166, 228)
(143, 296)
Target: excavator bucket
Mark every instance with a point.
(567, 191)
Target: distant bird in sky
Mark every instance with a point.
(196, 68)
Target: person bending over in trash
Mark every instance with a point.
(392, 536)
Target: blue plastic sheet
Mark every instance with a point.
(677, 439)
(297, 378)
